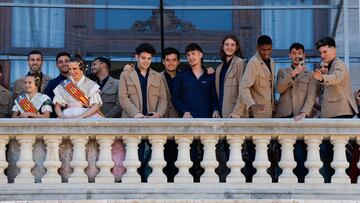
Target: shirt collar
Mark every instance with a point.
(79, 82)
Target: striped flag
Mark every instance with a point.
(25, 104)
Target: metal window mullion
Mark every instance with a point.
(346, 33)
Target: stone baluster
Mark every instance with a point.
(358, 164)
(235, 162)
(131, 162)
(4, 139)
(157, 162)
(287, 163)
(78, 162)
(52, 162)
(313, 162)
(340, 163)
(105, 162)
(261, 162)
(26, 162)
(209, 162)
(183, 162)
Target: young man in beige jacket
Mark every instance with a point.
(337, 92)
(257, 83)
(297, 87)
(142, 94)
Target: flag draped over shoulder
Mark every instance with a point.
(25, 104)
(77, 94)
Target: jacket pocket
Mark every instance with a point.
(131, 88)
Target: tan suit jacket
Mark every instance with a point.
(110, 97)
(338, 98)
(296, 95)
(19, 85)
(6, 102)
(232, 101)
(131, 98)
(171, 111)
(257, 86)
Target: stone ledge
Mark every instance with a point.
(184, 192)
(173, 127)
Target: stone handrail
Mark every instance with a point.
(27, 134)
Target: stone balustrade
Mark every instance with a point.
(36, 153)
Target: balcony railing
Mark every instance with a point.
(42, 159)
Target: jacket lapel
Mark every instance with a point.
(107, 85)
(135, 78)
(217, 78)
(151, 79)
(265, 68)
(231, 66)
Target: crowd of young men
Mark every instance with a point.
(233, 90)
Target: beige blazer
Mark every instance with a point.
(257, 86)
(171, 111)
(130, 96)
(19, 85)
(110, 97)
(296, 95)
(232, 102)
(338, 98)
(6, 102)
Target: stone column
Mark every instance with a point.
(340, 163)
(183, 162)
(131, 162)
(287, 163)
(105, 162)
(235, 162)
(4, 139)
(26, 162)
(313, 162)
(209, 162)
(52, 162)
(78, 162)
(157, 162)
(261, 162)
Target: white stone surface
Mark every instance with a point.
(105, 162)
(209, 162)
(235, 162)
(3, 163)
(131, 162)
(78, 162)
(157, 162)
(183, 162)
(25, 162)
(52, 162)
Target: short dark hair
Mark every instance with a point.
(145, 47)
(238, 49)
(297, 46)
(77, 58)
(193, 47)
(104, 60)
(264, 40)
(33, 52)
(37, 80)
(60, 54)
(171, 50)
(325, 41)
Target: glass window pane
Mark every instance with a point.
(38, 27)
(288, 26)
(215, 20)
(19, 68)
(120, 19)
